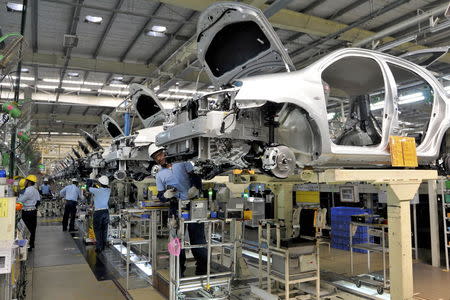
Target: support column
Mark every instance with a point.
(400, 254)
(434, 223)
(283, 204)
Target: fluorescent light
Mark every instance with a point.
(77, 89)
(25, 78)
(73, 74)
(8, 84)
(118, 78)
(14, 7)
(175, 90)
(411, 100)
(162, 95)
(118, 85)
(50, 80)
(92, 83)
(113, 92)
(377, 106)
(155, 34)
(158, 28)
(93, 19)
(43, 86)
(440, 26)
(25, 70)
(72, 81)
(397, 43)
(405, 97)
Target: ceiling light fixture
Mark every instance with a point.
(155, 34)
(14, 7)
(25, 70)
(93, 19)
(397, 43)
(159, 28)
(44, 86)
(118, 78)
(175, 90)
(8, 84)
(77, 89)
(73, 74)
(118, 85)
(113, 92)
(25, 78)
(72, 81)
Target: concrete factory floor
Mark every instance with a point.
(59, 270)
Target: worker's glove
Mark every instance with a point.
(193, 193)
(169, 194)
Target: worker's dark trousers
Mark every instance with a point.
(101, 221)
(69, 210)
(30, 220)
(196, 237)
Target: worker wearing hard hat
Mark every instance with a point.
(177, 182)
(45, 190)
(30, 199)
(101, 195)
(71, 193)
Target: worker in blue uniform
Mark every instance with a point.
(30, 198)
(177, 182)
(72, 194)
(101, 211)
(45, 190)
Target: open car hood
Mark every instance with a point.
(147, 105)
(92, 142)
(236, 40)
(426, 57)
(83, 148)
(112, 127)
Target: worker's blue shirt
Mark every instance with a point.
(101, 197)
(72, 193)
(176, 176)
(29, 198)
(45, 189)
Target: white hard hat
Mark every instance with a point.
(74, 180)
(152, 149)
(103, 180)
(45, 179)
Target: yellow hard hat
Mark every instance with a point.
(22, 183)
(32, 178)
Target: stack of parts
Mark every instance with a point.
(340, 228)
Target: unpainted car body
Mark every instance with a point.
(265, 114)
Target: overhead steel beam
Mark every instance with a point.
(333, 16)
(177, 31)
(401, 25)
(353, 25)
(34, 25)
(79, 119)
(409, 15)
(107, 29)
(119, 11)
(139, 33)
(89, 64)
(68, 50)
(276, 6)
